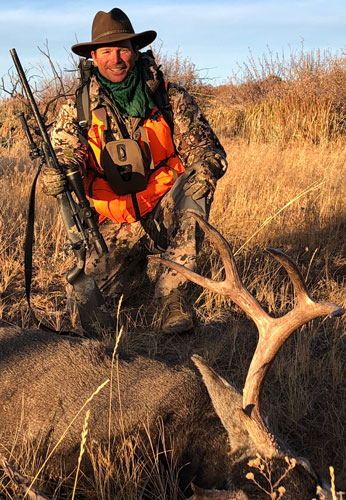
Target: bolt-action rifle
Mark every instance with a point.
(78, 219)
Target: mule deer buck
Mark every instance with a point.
(214, 431)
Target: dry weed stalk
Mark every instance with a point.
(309, 189)
(264, 465)
(21, 480)
(119, 333)
(137, 463)
(279, 100)
(99, 388)
(82, 450)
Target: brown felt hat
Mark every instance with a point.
(110, 27)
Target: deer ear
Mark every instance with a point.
(226, 401)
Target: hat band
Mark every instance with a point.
(111, 33)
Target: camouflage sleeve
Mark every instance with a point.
(64, 137)
(193, 137)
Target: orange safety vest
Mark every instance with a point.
(131, 207)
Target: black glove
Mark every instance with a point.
(54, 181)
(201, 182)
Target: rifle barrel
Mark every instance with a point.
(35, 110)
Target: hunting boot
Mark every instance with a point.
(176, 317)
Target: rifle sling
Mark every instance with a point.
(29, 238)
(28, 245)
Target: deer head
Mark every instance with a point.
(272, 333)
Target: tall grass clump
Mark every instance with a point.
(284, 100)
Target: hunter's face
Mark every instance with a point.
(115, 62)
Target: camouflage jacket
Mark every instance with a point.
(193, 137)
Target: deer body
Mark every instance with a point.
(47, 378)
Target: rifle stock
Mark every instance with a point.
(90, 302)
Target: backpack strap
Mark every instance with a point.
(162, 100)
(82, 92)
(158, 87)
(83, 105)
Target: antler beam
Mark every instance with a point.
(273, 332)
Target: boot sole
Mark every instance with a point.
(178, 328)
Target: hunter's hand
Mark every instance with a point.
(201, 182)
(54, 181)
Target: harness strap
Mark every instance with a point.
(135, 206)
(101, 115)
(144, 135)
(84, 140)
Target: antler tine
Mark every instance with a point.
(300, 289)
(192, 276)
(232, 280)
(226, 254)
(232, 286)
(292, 271)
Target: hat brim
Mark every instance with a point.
(140, 39)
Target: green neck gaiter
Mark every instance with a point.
(132, 95)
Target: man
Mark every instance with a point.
(147, 154)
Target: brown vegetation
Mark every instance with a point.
(301, 99)
(283, 127)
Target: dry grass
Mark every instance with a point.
(284, 100)
(283, 128)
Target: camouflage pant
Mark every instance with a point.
(169, 230)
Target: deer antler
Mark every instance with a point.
(273, 332)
